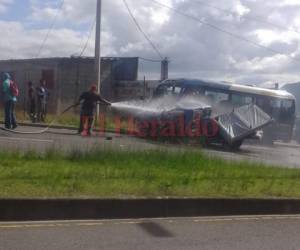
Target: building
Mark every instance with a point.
(66, 78)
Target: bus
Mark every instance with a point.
(278, 104)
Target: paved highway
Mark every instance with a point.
(263, 232)
(286, 155)
(224, 233)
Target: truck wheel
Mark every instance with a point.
(236, 145)
(232, 147)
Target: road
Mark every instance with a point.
(224, 233)
(283, 155)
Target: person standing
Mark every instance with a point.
(10, 93)
(89, 100)
(31, 102)
(42, 100)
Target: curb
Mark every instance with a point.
(88, 209)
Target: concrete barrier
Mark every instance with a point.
(83, 209)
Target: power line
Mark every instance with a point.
(50, 29)
(222, 30)
(255, 18)
(89, 38)
(141, 30)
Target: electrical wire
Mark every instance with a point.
(50, 29)
(236, 36)
(89, 38)
(141, 30)
(255, 18)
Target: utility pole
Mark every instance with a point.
(98, 50)
(164, 69)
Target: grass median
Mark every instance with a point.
(109, 173)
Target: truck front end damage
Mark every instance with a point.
(188, 118)
(242, 123)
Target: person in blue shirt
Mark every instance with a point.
(9, 102)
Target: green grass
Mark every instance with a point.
(135, 174)
(68, 119)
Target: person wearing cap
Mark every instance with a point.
(9, 102)
(89, 100)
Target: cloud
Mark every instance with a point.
(194, 49)
(4, 5)
(290, 3)
(75, 11)
(61, 42)
(267, 37)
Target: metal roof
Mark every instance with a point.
(233, 87)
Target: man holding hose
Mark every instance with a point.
(89, 100)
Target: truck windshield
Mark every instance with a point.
(167, 90)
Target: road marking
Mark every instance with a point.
(61, 224)
(20, 226)
(90, 224)
(24, 139)
(249, 218)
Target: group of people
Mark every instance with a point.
(37, 101)
(37, 98)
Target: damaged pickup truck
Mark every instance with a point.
(181, 111)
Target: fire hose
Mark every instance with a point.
(45, 129)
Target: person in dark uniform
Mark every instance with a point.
(89, 102)
(31, 102)
(42, 101)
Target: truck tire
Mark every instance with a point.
(236, 145)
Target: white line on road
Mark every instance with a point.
(24, 139)
(90, 223)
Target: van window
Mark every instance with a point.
(216, 97)
(287, 111)
(240, 100)
(177, 90)
(287, 104)
(167, 90)
(275, 103)
(194, 91)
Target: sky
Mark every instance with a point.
(242, 41)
